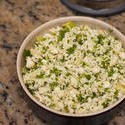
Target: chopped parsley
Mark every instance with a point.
(62, 33)
(64, 86)
(87, 83)
(100, 39)
(28, 87)
(110, 30)
(106, 89)
(106, 103)
(88, 77)
(40, 39)
(83, 64)
(41, 75)
(116, 93)
(52, 105)
(56, 71)
(119, 66)
(63, 59)
(105, 63)
(61, 46)
(26, 53)
(93, 95)
(82, 99)
(66, 108)
(35, 67)
(111, 72)
(69, 24)
(25, 70)
(79, 39)
(68, 74)
(45, 48)
(108, 50)
(71, 50)
(53, 85)
(80, 42)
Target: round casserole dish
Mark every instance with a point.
(54, 116)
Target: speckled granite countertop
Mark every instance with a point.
(17, 19)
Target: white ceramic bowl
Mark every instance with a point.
(29, 41)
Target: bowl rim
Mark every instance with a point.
(38, 29)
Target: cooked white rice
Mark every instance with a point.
(76, 69)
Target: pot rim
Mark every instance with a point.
(50, 23)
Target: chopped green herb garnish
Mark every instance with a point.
(83, 64)
(23, 73)
(105, 63)
(68, 74)
(87, 83)
(28, 87)
(52, 105)
(35, 67)
(61, 46)
(78, 39)
(119, 66)
(68, 41)
(110, 30)
(53, 85)
(100, 39)
(81, 98)
(62, 33)
(56, 71)
(87, 76)
(51, 42)
(41, 75)
(27, 53)
(106, 89)
(111, 72)
(116, 94)
(69, 24)
(108, 50)
(109, 42)
(40, 61)
(25, 70)
(45, 48)
(64, 86)
(40, 39)
(67, 84)
(80, 42)
(88, 51)
(116, 38)
(71, 50)
(93, 95)
(106, 103)
(73, 107)
(96, 75)
(66, 108)
(49, 96)
(63, 59)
